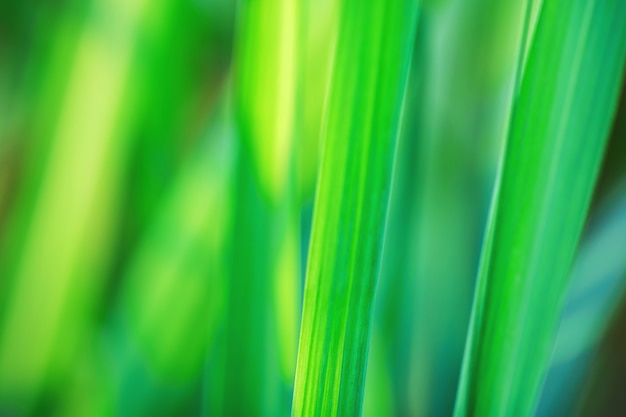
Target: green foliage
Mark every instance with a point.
(266, 89)
(370, 67)
(188, 186)
(64, 241)
(560, 122)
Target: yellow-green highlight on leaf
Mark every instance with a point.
(321, 28)
(560, 121)
(266, 88)
(56, 274)
(362, 114)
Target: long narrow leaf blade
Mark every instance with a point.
(370, 68)
(558, 131)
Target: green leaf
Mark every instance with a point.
(374, 44)
(64, 219)
(445, 170)
(560, 122)
(263, 261)
(321, 27)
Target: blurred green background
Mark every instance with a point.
(153, 244)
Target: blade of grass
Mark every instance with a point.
(368, 76)
(464, 118)
(559, 125)
(447, 147)
(267, 116)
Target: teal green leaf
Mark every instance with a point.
(596, 282)
(560, 122)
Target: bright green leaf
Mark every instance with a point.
(560, 122)
(362, 114)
